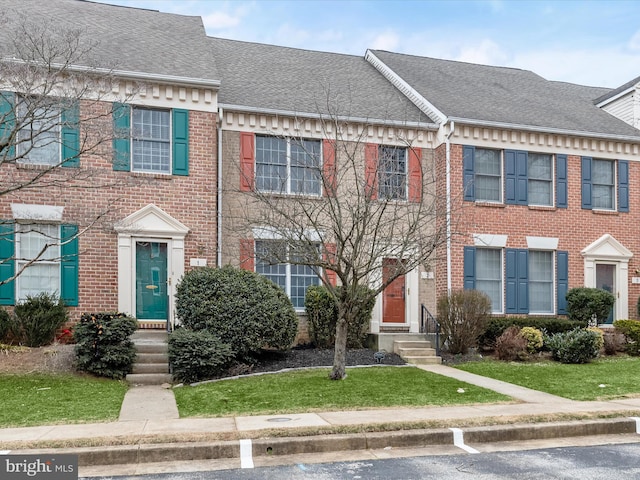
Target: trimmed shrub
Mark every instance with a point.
(103, 344)
(533, 336)
(244, 309)
(322, 315)
(5, 325)
(600, 335)
(197, 355)
(585, 303)
(463, 316)
(37, 318)
(511, 345)
(631, 330)
(497, 325)
(577, 346)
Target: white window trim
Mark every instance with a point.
(554, 161)
(406, 174)
(614, 208)
(131, 139)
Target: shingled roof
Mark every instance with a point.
(492, 95)
(126, 39)
(271, 78)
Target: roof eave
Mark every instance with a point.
(557, 131)
(327, 116)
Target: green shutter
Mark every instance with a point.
(7, 263)
(71, 135)
(69, 265)
(469, 268)
(7, 125)
(121, 137)
(180, 142)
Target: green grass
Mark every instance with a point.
(311, 390)
(45, 399)
(619, 375)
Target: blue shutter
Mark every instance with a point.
(180, 142)
(7, 264)
(516, 177)
(469, 268)
(71, 135)
(586, 183)
(562, 281)
(623, 186)
(517, 280)
(7, 124)
(121, 137)
(468, 157)
(69, 265)
(562, 196)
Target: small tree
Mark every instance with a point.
(463, 316)
(584, 304)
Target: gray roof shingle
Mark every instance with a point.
(269, 77)
(615, 91)
(490, 94)
(127, 39)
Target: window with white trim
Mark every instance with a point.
(540, 179)
(151, 140)
(39, 134)
(541, 288)
(392, 173)
(287, 165)
(488, 175)
(41, 242)
(271, 261)
(604, 184)
(489, 275)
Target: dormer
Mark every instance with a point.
(623, 102)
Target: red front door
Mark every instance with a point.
(393, 303)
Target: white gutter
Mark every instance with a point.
(557, 131)
(447, 137)
(320, 116)
(219, 192)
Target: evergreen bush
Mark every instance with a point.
(197, 355)
(533, 337)
(103, 344)
(5, 325)
(550, 325)
(322, 316)
(583, 304)
(36, 319)
(242, 308)
(631, 330)
(463, 317)
(576, 346)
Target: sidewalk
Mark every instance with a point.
(148, 411)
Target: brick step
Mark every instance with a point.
(149, 378)
(423, 360)
(151, 368)
(416, 352)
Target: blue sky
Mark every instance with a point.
(586, 42)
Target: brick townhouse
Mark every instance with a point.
(539, 176)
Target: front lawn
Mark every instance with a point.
(603, 379)
(41, 399)
(310, 390)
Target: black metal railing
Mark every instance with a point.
(430, 326)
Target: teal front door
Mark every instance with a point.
(151, 281)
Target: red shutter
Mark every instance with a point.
(247, 160)
(329, 256)
(329, 168)
(415, 175)
(247, 254)
(371, 170)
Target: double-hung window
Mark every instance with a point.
(603, 189)
(392, 173)
(540, 179)
(273, 259)
(286, 165)
(151, 140)
(482, 174)
(541, 268)
(39, 131)
(39, 242)
(605, 184)
(489, 275)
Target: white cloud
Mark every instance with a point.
(486, 52)
(220, 20)
(385, 41)
(634, 43)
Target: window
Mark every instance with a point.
(40, 242)
(540, 179)
(271, 261)
(392, 173)
(488, 175)
(151, 140)
(540, 282)
(285, 165)
(39, 135)
(605, 184)
(489, 275)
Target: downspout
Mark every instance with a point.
(452, 127)
(219, 192)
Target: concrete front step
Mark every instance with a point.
(159, 348)
(400, 344)
(423, 360)
(151, 357)
(416, 352)
(150, 368)
(149, 378)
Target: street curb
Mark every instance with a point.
(167, 452)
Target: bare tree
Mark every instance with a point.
(53, 111)
(362, 213)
